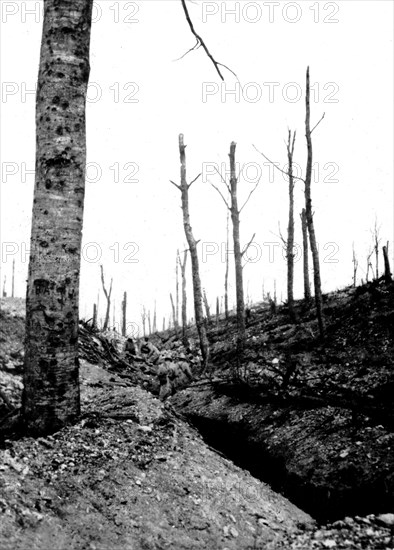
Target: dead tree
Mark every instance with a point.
(51, 396)
(149, 323)
(143, 319)
(124, 316)
(182, 265)
(94, 319)
(355, 266)
(177, 289)
(369, 265)
(154, 327)
(107, 294)
(174, 314)
(198, 311)
(227, 264)
(238, 254)
(309, 213)
(164, 324)
(217, 311)
(376, 242)
(387, 272)
(4, 290)
(206, 305)
(290, 229)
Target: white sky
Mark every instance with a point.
(349, 47)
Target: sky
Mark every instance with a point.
(142, 95)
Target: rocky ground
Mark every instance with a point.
(133, 474)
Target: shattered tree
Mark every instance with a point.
(290, 229)
(185, 340)
(197, 292)
(51, 396)
(309, 213)
(107, 294)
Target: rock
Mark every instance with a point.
(387, 520)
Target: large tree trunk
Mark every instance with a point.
(198, 311)
(237, 251)
(51, 396)
(290, 230)
(184, 300)
(309, 214)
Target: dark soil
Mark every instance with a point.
(314, 419)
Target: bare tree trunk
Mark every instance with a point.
(185, 340)
(184, 188)
(290, 230)
(217, 311)
(13, 279)
(164, 324)
(376, 241)
(237, 251)
(355, 266)
(107, 294)
(177, 289)
(206, 305)
(174, 314)
(4, 290)
(305, 256)
(387, 272)
(51, 396)
(94, 320)
(143, 319)
(124, 317)
(149, 323)
(227, 264)
(309, 214)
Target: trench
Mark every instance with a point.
(322, 503)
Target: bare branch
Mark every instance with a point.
(200, 42)
(247, 246)
(191, 183)
(281, 236)
(277, 167)
(317, 124)
(250, 194)
(221, 194)
(195, 47)
(176, 185)
(223, 180)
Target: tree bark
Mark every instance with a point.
(387, 272)
(237, 251)
(197, 294)
(94, 320)
(51, 396)
(124, 318)
(305, 256)
(107, 294)
(185, 340)
(355, 266)
(309, 214)
(206, 305)
(290, 230)
(177, 289)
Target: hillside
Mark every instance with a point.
(313, 420)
